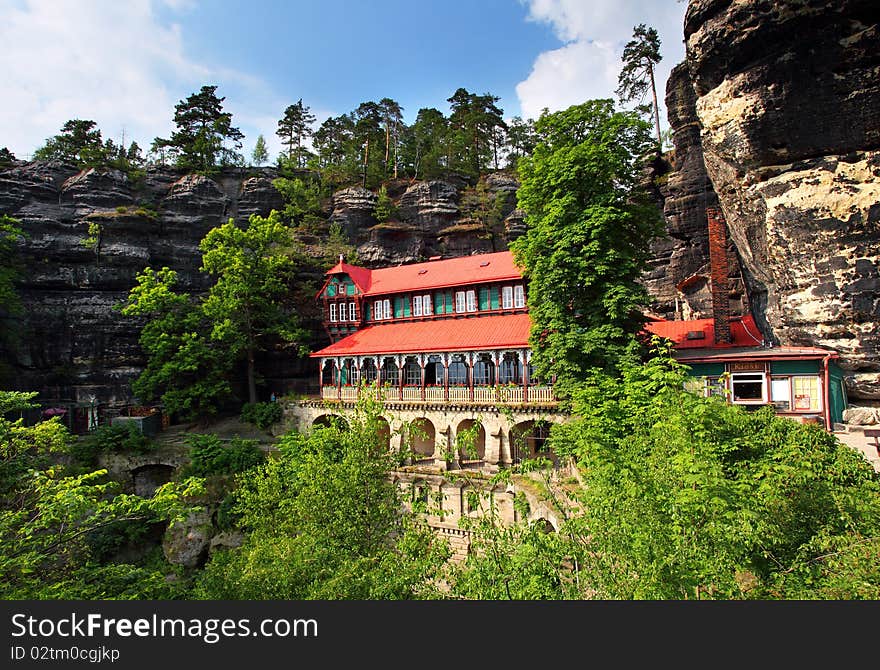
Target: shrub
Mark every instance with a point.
(261, 414)
(111, 438)
(209, 456)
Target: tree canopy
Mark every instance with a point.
(588, 240)
(205, 138)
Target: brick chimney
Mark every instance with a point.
(718, 274)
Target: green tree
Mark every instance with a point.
(52, 523)
(185, 367)
(251, 305)
(640, 55)
(385, 208)
(392, 119)
(683, 496)
(473, 121)
(324, 521)
(79, 143)
(260, 154)
(521, 139)
(425, 148)
(293, 129)
(7, 158)
(367, 142)
(203, 131)
(337, 161)
(589, 234)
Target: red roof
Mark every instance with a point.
(743, 331)
(455, 334)
(446, 273)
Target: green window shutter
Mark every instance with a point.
(398, 307)
(438, 303)
(484, 299)
(350, 289)
(449, 303)
(368, 308)
(331, 290)
(706, 369)
(494, 293)
(406, 305)
(794, 367)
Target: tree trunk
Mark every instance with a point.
(251, 376)
(656, 109)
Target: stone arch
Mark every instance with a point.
(422, 438)
(472, 445)
(328, 421)
(150, 476)
(528, 439)
(544, 525)
(383, 433)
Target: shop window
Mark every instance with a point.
(806, 393)
(748, 387)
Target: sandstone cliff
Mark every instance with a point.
(788, 104)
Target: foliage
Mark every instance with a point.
(324, 522)
(294, 128)
(636, 78)
(385, 208)
(250, 306)
(260, 154)
(302, 200)
(203, 131)
(588, 240)
(92, 241)
(261, 414)
(688, 497)
(185, 368)
(7, 158)
(473, 121)
(210, 456)
(11, 236)
(111, 438)
(81, 144)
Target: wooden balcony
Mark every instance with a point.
(480, 395)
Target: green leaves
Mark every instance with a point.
(590, 230)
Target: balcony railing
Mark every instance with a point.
(487, 395)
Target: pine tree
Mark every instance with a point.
(293, 129)
(261, 153)
(640, 55)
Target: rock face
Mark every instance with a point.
(76, 344)
(788, 103)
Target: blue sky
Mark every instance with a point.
(125, 64)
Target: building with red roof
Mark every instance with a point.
(442, 330)
(729, 357)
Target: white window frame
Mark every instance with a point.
(377, 310)
(748, 377)
(386, 307)
(459, 302)
(507, 297)
(352, 311)
(343, 313)
(819, 394)
(332, 312)
(427, 305)
(417, 306)
(519, 296)
(471, 301)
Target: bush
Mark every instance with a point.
(110, 438)
(209, 456)
(261, 414)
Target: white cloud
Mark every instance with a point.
(594, 34)
(114, 62)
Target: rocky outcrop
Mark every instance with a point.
(353, 209)
(188, 542)
(788, 103)
(74, 342)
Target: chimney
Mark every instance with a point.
(718, 274)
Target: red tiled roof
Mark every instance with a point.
(454, 334)
(743, 330)
(432, 274)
